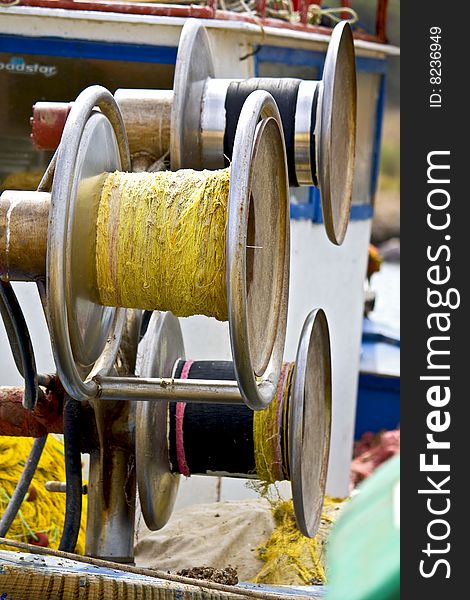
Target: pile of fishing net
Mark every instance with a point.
(41, 516)
(291, 558)
(259, 538)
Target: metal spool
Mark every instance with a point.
(161, 347)
(139, 108)
(336, 133)
(310, 418)
(191, 122)
(257, 332)
(85, 336)
(308, 432)
(322, 143)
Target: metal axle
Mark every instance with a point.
(173, 390)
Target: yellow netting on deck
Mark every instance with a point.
(42, 512)
(22, 180)
(290, 557)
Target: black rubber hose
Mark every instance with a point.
(73, 475)
(22, 486)
(20, 342)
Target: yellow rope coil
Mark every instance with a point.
(45, 513)
(271, 463)
(265, 440)
(160, 241)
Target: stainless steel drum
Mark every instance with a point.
(308, 397)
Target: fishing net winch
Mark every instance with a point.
(86, 334)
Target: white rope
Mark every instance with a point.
(315, 14)
(284, 9)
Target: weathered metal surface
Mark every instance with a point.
(161, 347)
(258, 238)
(194, 65)
(47, 123)
(310, 422)
(23, 234)
(174, 390)
(336, 132)
(17, 421)
(60, 487)
(85, 336)
(112, 479)
(111, 492)
(147, 118)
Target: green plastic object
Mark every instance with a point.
(363, 557)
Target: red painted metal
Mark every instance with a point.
(346, 4)
(47, 124)
(201, 12)
(161, 10)
(381, 21)
(48, 119)
(261, 8)
(303, 8)
(46, 417)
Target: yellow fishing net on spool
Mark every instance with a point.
(290, 557)
(44, 513)
(160, 241)
(270, 451)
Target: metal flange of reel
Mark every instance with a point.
(161, 347)
(218, 440)
(85, 335)
(196, 122)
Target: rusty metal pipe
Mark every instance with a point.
(146, 115)
(47, 123)
(199, 12)
(24, 220)
(17, 421)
